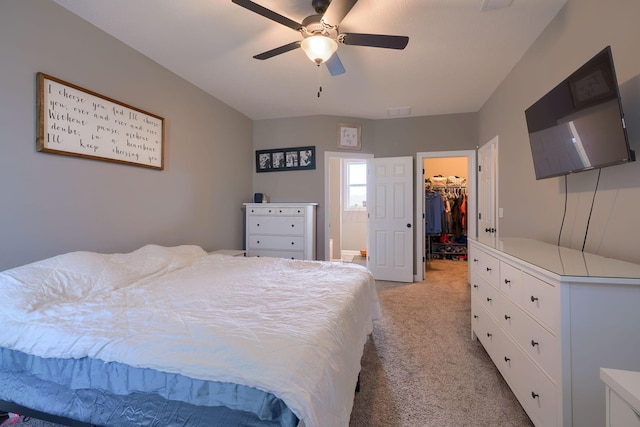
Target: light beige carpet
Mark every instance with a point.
(421, 368)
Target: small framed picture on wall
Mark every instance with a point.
(349, 136)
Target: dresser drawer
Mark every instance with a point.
(276, 254)
(276, 225)
(281, 243)
(489, 297)
(486, 265)
(538, 343)
(276, 210)
(488, 332)
(535, 392)
(541, 300)
(511, 281)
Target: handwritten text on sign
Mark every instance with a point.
(78, 122)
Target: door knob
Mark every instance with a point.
(408, 225)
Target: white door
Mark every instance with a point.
(390, 218)
(487, 199)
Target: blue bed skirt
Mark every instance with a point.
(114, 394)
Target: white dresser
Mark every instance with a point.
(549, 318)
(283, 230)
(622, 397)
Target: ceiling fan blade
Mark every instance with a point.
(277, 51)
(334, 65)
(269, 14)
(337, 10)
(376, 40)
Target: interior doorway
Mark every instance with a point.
(450, 173)
(345, 227)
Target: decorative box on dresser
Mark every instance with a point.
(282, 230)
(549, 318)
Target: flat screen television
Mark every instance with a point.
(579, 125)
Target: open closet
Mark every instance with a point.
(445, 208)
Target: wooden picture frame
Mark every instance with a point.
(286, 159)
(349, 136)
(73, 121)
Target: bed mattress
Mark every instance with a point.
(293, 330)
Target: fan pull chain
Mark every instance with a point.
(319, 82)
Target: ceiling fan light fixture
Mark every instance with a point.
(319, 48)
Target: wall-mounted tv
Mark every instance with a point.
(579, 125)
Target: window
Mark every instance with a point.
(356, 185)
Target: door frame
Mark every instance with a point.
(328, 155)
(472, 217)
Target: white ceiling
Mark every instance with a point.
(456, 56)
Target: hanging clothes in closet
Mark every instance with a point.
(434, 211)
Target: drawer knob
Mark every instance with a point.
(257, 225)
(507, 281)
(488, 269)
(475, 316)
(293, 243)
(533, 299)
(475, 260)
(488, 299)
(534, 395)
(258, 242)
(506, 359)
(475, 286)
(280, 211)
(533, 343)
(293, 225)
(489, 334)
(507, 317)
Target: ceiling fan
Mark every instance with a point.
(320, 33)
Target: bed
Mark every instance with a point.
(174, 336)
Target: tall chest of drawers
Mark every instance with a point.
(550, 318)
(282, 230)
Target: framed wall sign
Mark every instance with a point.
(286, 159)
(349, 136)
(77, 122)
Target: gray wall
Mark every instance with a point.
(51, 204)
(535, 208)
(382, 138)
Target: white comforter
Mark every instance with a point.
(293, 328)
